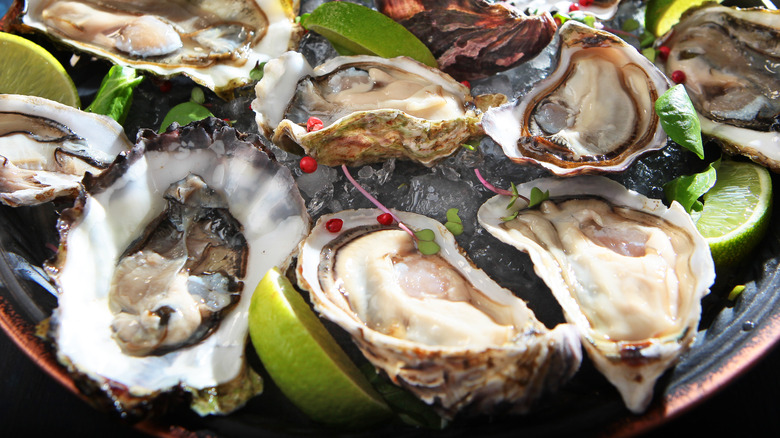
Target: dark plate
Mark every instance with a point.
(733, 336)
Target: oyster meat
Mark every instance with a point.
(157, 265)
(215, 42)
(46, 148)
(594, 113)
(371, 108)
(434, 324)
(731, 58)
(628, 272)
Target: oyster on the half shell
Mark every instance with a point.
(371, 109)
(215, 42)
(435, 324)
(628, 272)
(730, 57)
(158, 262)
(594, 113)
(46, 148)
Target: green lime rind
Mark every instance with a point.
(662, 15)
(353, 29)
(304, 360)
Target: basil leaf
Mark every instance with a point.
(537, 197)
(688, 189)
(679, 119)
(115, 95)
(185, 113)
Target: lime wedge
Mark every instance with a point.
(357, 30)
(29, 69)
(305, 361)
(736, 211)
(661, 15)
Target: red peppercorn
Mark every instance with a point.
(466, 83)
(308, 164)
(334, 225)
(314, 124)
(663, 52)
(574, 7)
(586, 3)
(166, 86)
(678, 77)
(385, 219)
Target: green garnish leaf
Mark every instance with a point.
(647, 39)
(737, 291)
(471, 145)
(511, 216)
(537, 197)
(687, 189)
(185, 113)
(197, 95)
(257, 72)
(452, 216)
(630, 25)
(428, 247)
(514, 197)
(425, 235)
(115, 95)
(301, 19)
(649, 53)
(410, 409)
(679, 119)
(454, 224)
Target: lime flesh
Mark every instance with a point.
(661, 15)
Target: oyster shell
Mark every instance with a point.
(372, 109)
(46, 148)
(215, 42)
(594, 113)
(434, 323)
(730, 59)
(628, 272)
(149, 287)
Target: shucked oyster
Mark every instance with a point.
(627, 271)
(157, 265)
(46, 148)
(594, 113)
(372, 109)
(434, 323)
(215, 42)
(730, 58)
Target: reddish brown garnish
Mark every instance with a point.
(314, 124)
(385, 219)
(678, 77)
(308, 164)
(334, 225)
(663, 52)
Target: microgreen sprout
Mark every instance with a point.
(538, 196)
(454, 223)
(257, 72)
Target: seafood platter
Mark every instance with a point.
(129, 252)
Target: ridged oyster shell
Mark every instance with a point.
(100, 233)
(435, 325)
(46, 148)
(372, 109)
(594, 113)
(215, 42)
(730, 59)
(628, 272)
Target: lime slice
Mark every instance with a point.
(29, 69)
(736, 211)
(357, 30)
(661, 15)
(305, 361)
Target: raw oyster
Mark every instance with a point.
(47, 147)
(730, 58)
(594, 113)
(473, 38)
(435, 324)
(154, 292)
(215, 42)
(372, 109)
(628, 272)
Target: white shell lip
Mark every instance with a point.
(452, 378)
(262, 196)
(505, 124)
(632, 367)
(101, 133)
(282, 33)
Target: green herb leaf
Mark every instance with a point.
(454, 224)
(257, 72)
(472, 144)
(630, 25)
(115, 95)
(185, 113)
(511, 216)
(679, 119)
(537, 197)
(425, 235)
(514, 197)
(649, 53)
(428, 247)
(688, 189)
(452, 215)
